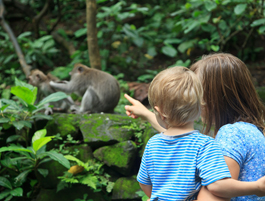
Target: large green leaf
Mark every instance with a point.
(169, 51)
(41, 116)
(18, 192)
(210, 5)
(59, 158)
(52, 98)
(37, 144)
(5, 182)
(72, 158)
(39, 134)
(13, 138)
(258, 22)
(24, 84)
(262, 29)
(25, 94)
(186, 45)
(4, 194)
(4, 120)
(240, 8)
(20, 124)
(14, 148)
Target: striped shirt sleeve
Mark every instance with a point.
(211, 164)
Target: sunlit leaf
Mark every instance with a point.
(14, 148)
(37, 144)
(25, 94)
(39, 134)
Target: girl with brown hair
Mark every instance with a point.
(232, 106)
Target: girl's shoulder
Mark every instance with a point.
(239, 129)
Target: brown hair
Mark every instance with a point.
(177, 92)
(229, 93)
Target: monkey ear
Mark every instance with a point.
(80, 69)
(38, 76)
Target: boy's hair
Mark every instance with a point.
(229, 93)
(178, 93)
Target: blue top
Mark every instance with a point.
(244, 143)
(177, 166)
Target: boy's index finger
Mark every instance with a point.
(129, 98)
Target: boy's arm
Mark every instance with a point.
(147, 189)
(228, 188)
(137, 109)
(205, 194)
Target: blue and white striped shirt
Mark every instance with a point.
(177, 166)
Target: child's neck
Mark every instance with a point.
(171, 131)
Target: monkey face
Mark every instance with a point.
(36, 78)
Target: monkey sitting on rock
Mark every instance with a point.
(38, 79)
(100, 90)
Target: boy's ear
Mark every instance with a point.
(159, 112)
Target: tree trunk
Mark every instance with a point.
(25, 67)
(92, 40)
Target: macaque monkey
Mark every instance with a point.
(42, 82)
(100, 90)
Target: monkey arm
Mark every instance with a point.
(62, 86)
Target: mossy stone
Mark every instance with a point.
(64, 124)
(106, 129)
(148, 133)
(125, 188)
(120, 156)
(70, 194)
(85, 152)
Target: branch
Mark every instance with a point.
(25, 67)
(58, 18)
(67, 45)
(38, 17)
(246, 40)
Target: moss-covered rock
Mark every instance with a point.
(120, 156)
(64, 124)
(125, 188)
(106, 129)
(69, 194)
(148, 133)
(85, 152)
(55, 170)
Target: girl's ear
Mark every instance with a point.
(160, 113)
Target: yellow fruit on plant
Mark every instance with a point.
(76, 169)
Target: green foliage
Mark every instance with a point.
(91, 174)
(142, 194)
(138, 130)
(23, 161)
(22, 114)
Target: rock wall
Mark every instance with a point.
(109, 138)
